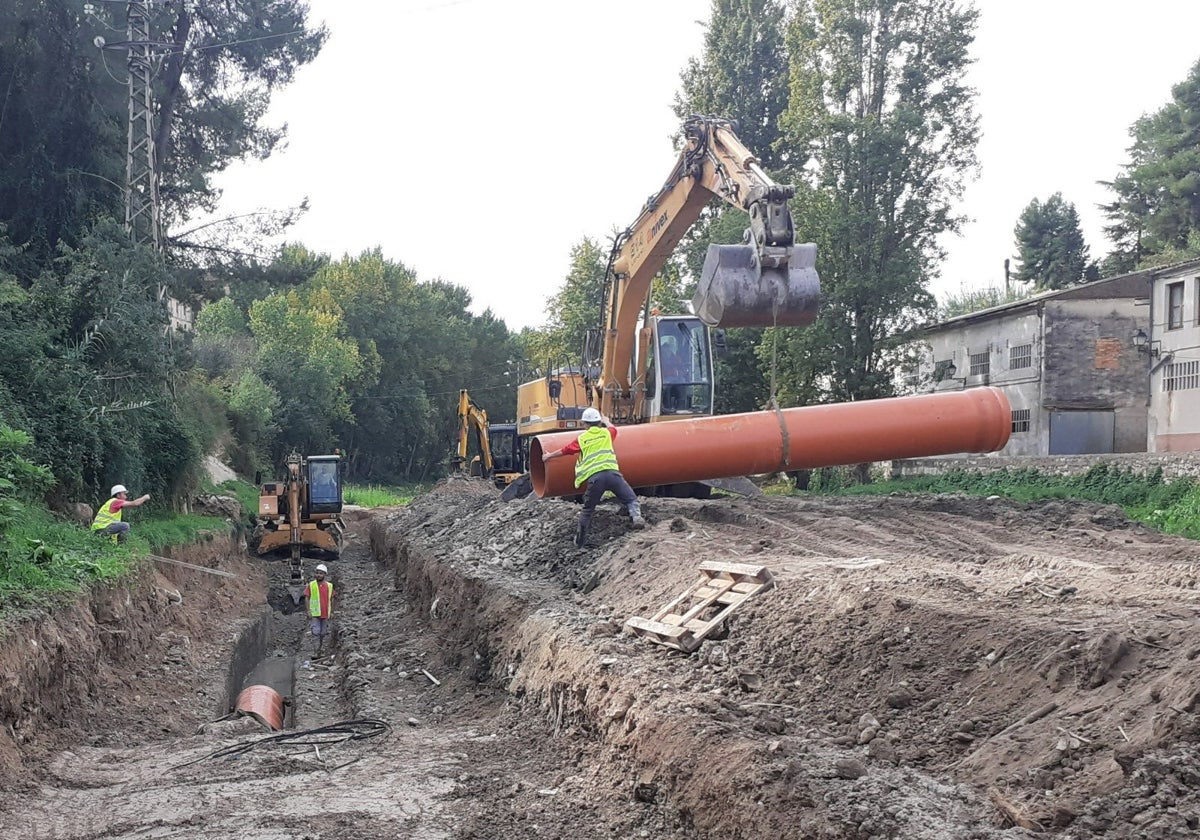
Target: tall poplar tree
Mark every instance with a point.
(882, 132)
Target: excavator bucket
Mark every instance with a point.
(737, 289)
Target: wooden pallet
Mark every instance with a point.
(725, 585)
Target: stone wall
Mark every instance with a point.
(1174, 464)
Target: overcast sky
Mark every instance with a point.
(478, 141)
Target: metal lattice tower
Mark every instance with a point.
(143, 214)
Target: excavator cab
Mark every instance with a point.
(324, 484)
(679, 373)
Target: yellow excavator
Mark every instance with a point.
(648, 367)
(301, 515)
(501, 458)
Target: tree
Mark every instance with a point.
(1157, 204)
(882, 130)
(742, 74)
(571, 311)
(1051, 252)
(62, 138)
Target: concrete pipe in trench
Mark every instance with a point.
(974, 420)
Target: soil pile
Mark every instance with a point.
(925, 666)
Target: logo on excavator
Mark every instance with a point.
(659, 224)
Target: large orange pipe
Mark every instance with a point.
(974, 420)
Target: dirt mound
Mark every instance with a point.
(925, 667)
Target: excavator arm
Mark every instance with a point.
(769, 281)
(472, 417)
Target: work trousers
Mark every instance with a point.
(597, 485)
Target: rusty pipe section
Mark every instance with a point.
(974, 420)
(262, 703)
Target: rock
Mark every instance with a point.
(868, 721)
(603, 629)
(881, 749)
(963, 737)
(866, 736)
(901, 698)
(850, 768)
(221, 507)
(412, 721)
(81, 513)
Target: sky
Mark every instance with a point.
(479, 141)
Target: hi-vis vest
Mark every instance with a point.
(595, 454)
(318, 607)
(106, 516)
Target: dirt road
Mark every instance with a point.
(924, 668)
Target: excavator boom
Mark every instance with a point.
(770, 281)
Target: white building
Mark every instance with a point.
(1171, 346)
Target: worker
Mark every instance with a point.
(597, 465)
(675, 375)
(108, 518)
(320, 605)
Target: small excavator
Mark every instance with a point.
(301, 515)
(501, 457)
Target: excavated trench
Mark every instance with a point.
(917, 673)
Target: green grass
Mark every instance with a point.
(1172, 507)
(43, 558)
(373, 495)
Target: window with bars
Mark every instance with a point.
(1020, 420)
(1175, 306)
(1020, 356)
(1181, 376)
(981, 363)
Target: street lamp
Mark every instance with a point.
(1143, 344)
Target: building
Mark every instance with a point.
(1171, 344)
(1067, 360)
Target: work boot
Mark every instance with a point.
(581, 535)
(635, 517)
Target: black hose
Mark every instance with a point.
(335, 733)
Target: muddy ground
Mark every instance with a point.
(926, 667)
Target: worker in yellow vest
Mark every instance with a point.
(597, 465)
(108, 518)
(320, 604)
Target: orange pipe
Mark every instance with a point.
(974, 420)
(262, 703)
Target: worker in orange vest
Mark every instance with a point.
(320, 604)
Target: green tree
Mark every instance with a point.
(306, 358)
(742, 74)
(1157, 203)
(883, 125)
(62, 136)
(975, 300)
(578, 306)
(1051, 252)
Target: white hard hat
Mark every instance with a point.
(321, 567)
(590, 415)
(118, 488)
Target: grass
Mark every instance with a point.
(1169, 506)
(374, 495)
(43, 558)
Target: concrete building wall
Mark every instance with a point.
(1174, 373)
(1013, 348)
(1092, 368)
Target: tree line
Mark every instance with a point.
(862, 105)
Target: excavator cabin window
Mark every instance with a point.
(684, 366)
(324, 487)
